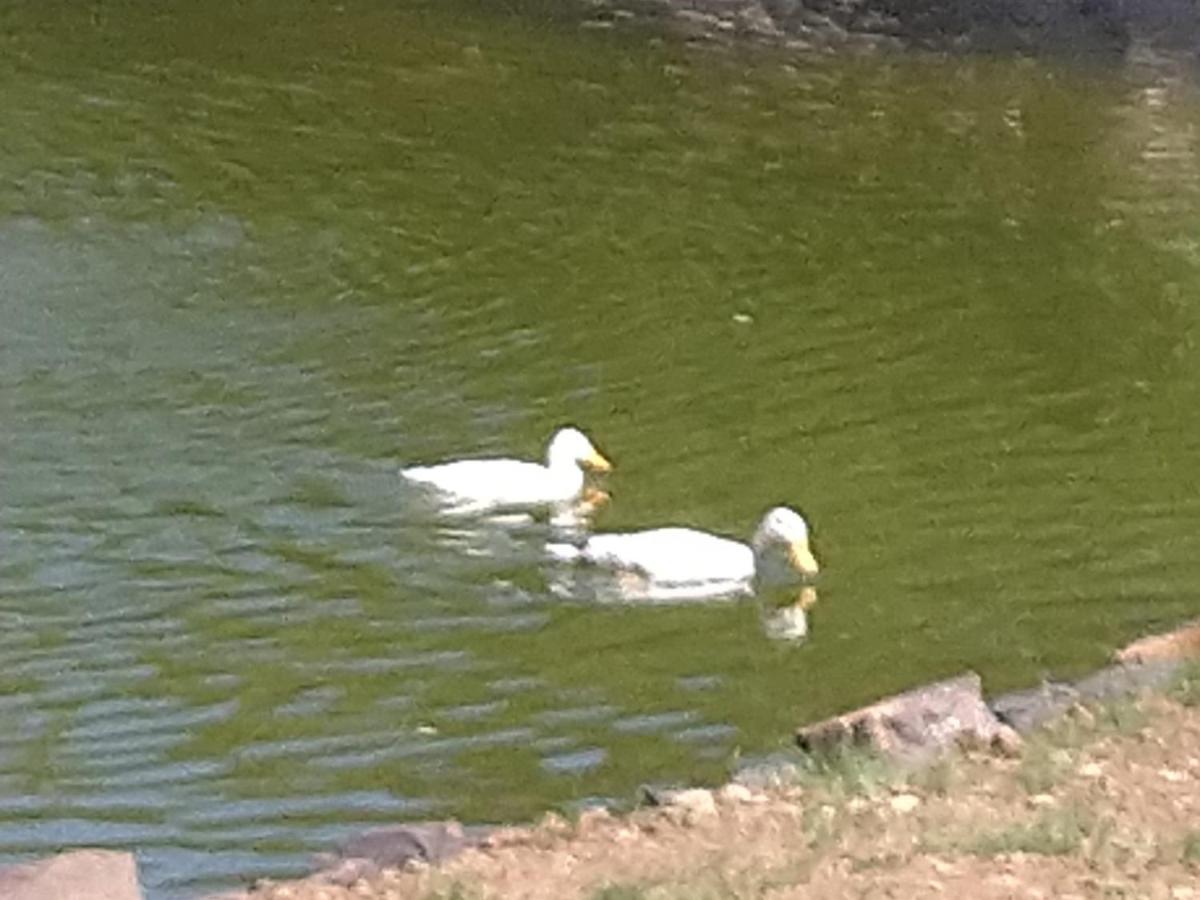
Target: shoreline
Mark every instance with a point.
(855, 766)
(1105, 28)
(889, 758)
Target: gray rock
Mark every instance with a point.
(396, 846)
(1119, 681)
(76, 875)
(1031, 708)
(916, 726)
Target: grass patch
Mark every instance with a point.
(621, 892)
(1186, 689)
(939, 778)
(1189, 849)
(1059, 832)
(882, 861)
(819, 823)
(455, 891)
(1121, 716)
(850, 772)
(1042, 768)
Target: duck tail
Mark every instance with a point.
(564, 553)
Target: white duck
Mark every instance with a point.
(686, 564)
(482, 485)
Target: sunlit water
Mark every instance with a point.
(253, 259)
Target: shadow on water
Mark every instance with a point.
(250, 264)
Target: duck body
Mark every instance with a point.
(685, 563)
(503, 484)
(675, 559)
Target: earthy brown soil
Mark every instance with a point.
(1105, 804)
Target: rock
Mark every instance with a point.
(1031, 708)
(76, 875)
(692, 802)
(396, 846)
(915, 726)
(593, 819)
(1119, 681)
(1182, 643)
(739, 793)
(905, 803)
(696, 801)
(770, 773)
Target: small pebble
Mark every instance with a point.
(739, 793)
(694, 800)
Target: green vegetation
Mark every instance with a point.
(1189, 848)
(621, 892)
(1042, 766)
(847, 772)
(1054, 832)
(1187, 688)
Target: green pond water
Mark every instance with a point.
(255, 256)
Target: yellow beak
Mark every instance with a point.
(597, 463)
(802, 559)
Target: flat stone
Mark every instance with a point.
(76, 875)
(904, 803)
(397, 846)
(913, 727)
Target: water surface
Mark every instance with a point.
(252, 259)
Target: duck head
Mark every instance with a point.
(785, 528)
(571, 446)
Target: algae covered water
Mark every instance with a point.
(253, 258)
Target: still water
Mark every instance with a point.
(254, 257)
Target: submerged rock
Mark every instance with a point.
(77, 875)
